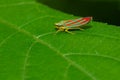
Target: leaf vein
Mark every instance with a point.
(94, 55)
(17, 4)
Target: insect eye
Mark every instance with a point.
(56, 24)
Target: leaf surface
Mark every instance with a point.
(29, 49)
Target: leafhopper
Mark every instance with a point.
(75, 24)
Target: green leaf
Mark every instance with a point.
(29, 49)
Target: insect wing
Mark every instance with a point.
(77, 22)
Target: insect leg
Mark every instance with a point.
(81, 28)
(66, 30)
(57, 31)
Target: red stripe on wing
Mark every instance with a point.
(69, 21)
(82, 21)
(86, 20)
(73, 22)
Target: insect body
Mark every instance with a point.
(67, 25)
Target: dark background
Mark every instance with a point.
(107, 11)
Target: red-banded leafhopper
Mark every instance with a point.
(75, 24)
